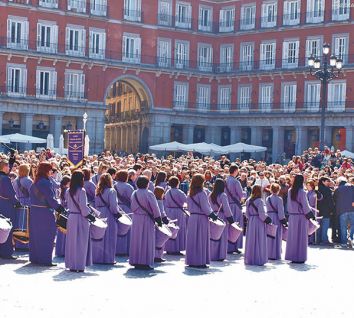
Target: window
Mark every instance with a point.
(267, 56)
(131, 48)
(246, 56)
(17, 33)
(315, 11)
(181, 54)
(266, 97)
(181, 95)
(288, 97)
(248, 17)
(336, 96)
(313, 47)
(340, 10)
(165, 12)
(226, 58)
(75, 41)
(224, 98)
(98, 7)
(48, 3)
(227, 20)
(269, 15)
(291, 12)
(203, 97)
(97, 44)
(183, 15)
(77, 5)
(244, 97)
(340, 44)
(16, 80)
(132, 10)
(290, 54)
(205, 57)
(313, 96)
(164, 52)
(47, 37)
(46, 83)
(205, 19)
(74, 85)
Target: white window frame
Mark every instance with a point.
(265, 23)
(183, 22)
(315, 15)
(340, 49)
(94, 36)
(341, 10)
(205, 19)
(310, 47)
(313, 103)
(98, 7)
(205, 61)
(52, 45)
(21, 89)
(246, 56)
(165, 12)
(266, 92)
(244, 100)
(181, 63)
(135, 41)
(337, 91)
(224, 24)
(74, 93)
(48, 3)
(52, 83)
(265, 55)
(251, 21)
(164, 52)
(203, 97)
(226, 58)
(290, 61)
(77, 6)
(180, 95)
(292, 16)
(70, 45)
(132, 10)
(224, 97)
(288, 96)
(21, 36)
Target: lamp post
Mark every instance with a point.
(325, 73)
(84, 119)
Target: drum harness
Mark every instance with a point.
(177, 205)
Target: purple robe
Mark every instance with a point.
(95, 179)
(235, 194)
(296, 244)
(159, 251)
(90, 189)
(7, 201)
(198, 230)
(78, 252)
(61, 237)
(42, 222)
(104, 251)
(276, 213)
(256, 252)
(142, 241)
(218, 249)
(151, 186)
(124, 193)
(174, 210)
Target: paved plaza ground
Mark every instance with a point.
(321, 288)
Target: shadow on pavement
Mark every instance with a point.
(302, 267)
(191, 271)
(12, 261)
(66, 275)
(30, 269)
(104, 267)
(259, 269)
(138, 273)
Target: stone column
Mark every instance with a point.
(188, 134)
(213, 134)
(278, 143)
(98, 125)
(301, 139)
(79, 123)
(349, 138)
(235, 135)
(55, 123)
(256, 136)
(1, 120)
(26, 128)
(328, 136)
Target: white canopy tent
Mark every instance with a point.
(205, 148)
(242, 147)
(19, 138)
(170, 146)
(50, 141)
(348, 154)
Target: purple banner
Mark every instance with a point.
(76, 141)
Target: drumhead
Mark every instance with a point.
(218, 222)
(5, 224)
(125, 219)
(100, 223)
(165, 230)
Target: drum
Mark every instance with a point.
(313, 226)
(98, 229)
(5, 228)
(21, 231)
(61, 222)
(271, 230)
(216, 229)
(124, 224)
(174, 230)
(284, 233)
(234, 232)
(162, 235)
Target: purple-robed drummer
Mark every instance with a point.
(198, 228)
(275, 210)
(312, 197)
(235, 194)
(102, 168)
(42, 220)
(104, 251)
(256, 252)
(299, 214)
(145, 213)
(124, 192)
(78, 249)
(89, 187)
(8, 202)
(174, 202)
(219, 203)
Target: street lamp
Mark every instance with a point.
(325, 73)
(84, 119)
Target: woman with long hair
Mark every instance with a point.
(299, 212)
(42, 220)
(220, 204)
(198, 228)
(161, 180)
(256, 252)
(124, 192)
(60, 241)
(104, 251)
(78, 253)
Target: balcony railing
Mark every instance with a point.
(132, 15)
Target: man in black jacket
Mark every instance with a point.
(326, 209)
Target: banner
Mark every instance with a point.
(76, 147)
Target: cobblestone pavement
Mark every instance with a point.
(321, 288)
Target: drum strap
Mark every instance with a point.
(271, 205)
(40, 194)
(104, 202)
(301, 207)
(22, 188)
(143, 208)
(76, 204)
(234, 199)
(253, 206)
(122, 198)
(175, 202)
